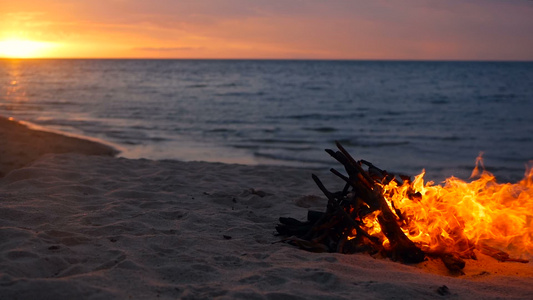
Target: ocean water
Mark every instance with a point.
(402, 116)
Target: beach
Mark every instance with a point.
(20, 146)
(78, 223)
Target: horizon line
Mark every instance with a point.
(269, 59)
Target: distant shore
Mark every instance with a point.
(21, 145)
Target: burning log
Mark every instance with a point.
(498, 254)
(345, 211)
(363, 217)
(401, 247)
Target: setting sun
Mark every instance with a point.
(22, 48)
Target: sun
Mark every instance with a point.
(22, 48)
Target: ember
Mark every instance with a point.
(384, 214)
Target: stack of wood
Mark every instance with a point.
(341, 228)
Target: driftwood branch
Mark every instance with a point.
(343, 218)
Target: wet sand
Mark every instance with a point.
(19, 145)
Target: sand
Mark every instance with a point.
(20, 146)
(76, 226)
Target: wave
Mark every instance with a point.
(324, 129)
(305, 161)
(196, 86)
(369, 144)
(240, 94)
(323, 117)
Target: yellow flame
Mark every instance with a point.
(458, 215)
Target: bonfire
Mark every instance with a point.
(410, 221)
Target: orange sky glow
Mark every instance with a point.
(274, 29)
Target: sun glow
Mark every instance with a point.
(23, 48)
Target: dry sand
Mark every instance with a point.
(74, 226)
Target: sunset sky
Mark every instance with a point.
(301, 29)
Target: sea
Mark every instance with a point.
(403, 116)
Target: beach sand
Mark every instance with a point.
(20, 145)
(77, 226)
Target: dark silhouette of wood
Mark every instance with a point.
(345, 211)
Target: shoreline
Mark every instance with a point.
(21, 145)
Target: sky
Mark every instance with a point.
(269, 29)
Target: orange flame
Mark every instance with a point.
(459, 216)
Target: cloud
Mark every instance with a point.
(21, 16)
(166, 49)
